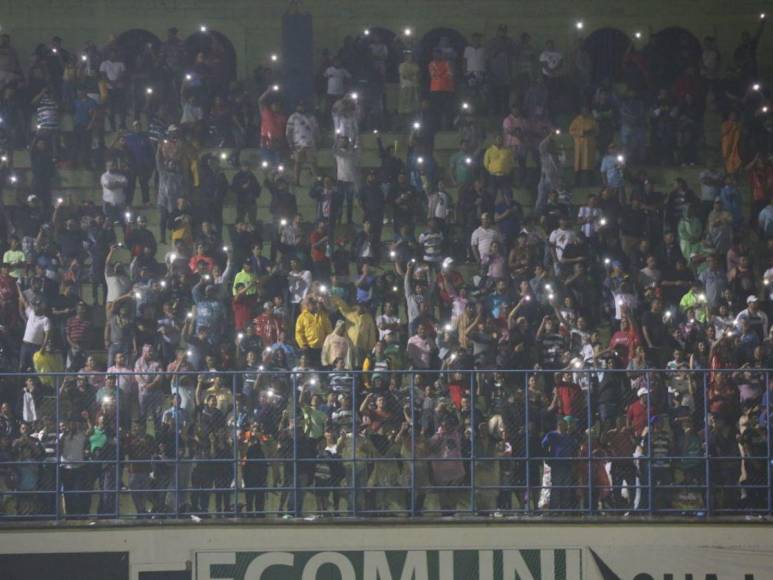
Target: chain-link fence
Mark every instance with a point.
(342, 443)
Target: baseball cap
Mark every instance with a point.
(642, 392)
(751, 299)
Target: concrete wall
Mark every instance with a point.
(253, 26)
(741, 551)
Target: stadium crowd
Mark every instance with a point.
(210, 356)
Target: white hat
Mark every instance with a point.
(751, 299)
(642, 392)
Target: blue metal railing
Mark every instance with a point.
(486, 447)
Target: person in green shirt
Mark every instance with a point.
(313, 419)
(463, 165)
(14, 257)
(247, 277)
(695, 300)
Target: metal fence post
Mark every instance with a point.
(706, 443)
(177, 497)
(293, 418)
(473, 429)
(527, 441)
(767, 430)
(353, 482)
(413, 450)
(236, 445)
(650, 487)
(118, 449)
(58, 482)
(589, 413)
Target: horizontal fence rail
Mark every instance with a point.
(265, 443)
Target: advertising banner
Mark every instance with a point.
(682, 563)
(560, 564)
(591, 563)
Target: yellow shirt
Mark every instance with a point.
(47, 362)
(498, 160)
(311, 329)
(361, 328)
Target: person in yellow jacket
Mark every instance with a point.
(499, 163)
(583, 130)
(360, 325)
(311, 328)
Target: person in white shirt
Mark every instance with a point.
(589, 217)
(483, 236)
(113, 193)
(474, 60)
(114, 71)
(754, 317)
(438, 203)
(551, 60)
(337, 77)
(36, 332)
(347, 160)
(560, 238)
(298, 285)
(302, 132)
(346, 114)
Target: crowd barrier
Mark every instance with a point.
(439, 443)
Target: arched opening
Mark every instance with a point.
(671, 51)
(135, 43)
(606, 48)
(214, 52)
(449, 40)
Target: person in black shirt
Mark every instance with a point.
(655, 334)
(247, 189)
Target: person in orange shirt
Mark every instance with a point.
(731, 141)
(441, 88)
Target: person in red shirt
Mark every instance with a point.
(200, 263)
(267, 326)
(441, 88)
(318, 242)
(243, 305)
(568, 398)
(636, 416)
(624, 341)
(273, 123)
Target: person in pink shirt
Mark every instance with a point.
(514, 130)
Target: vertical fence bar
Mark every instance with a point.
(589, 413)
(650, 487)
(118, 446)
(57, 481)
(413, 450)
(355, 413)
(706, 441)
(176, 413)
(473, 429)
(767, 431)
(527, 441)
(236, 446)
(293, 426)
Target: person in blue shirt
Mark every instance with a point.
(84, 113)
(141, 157)
(731, 199)
(560, 446)
(765, 221)
(612, 172)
